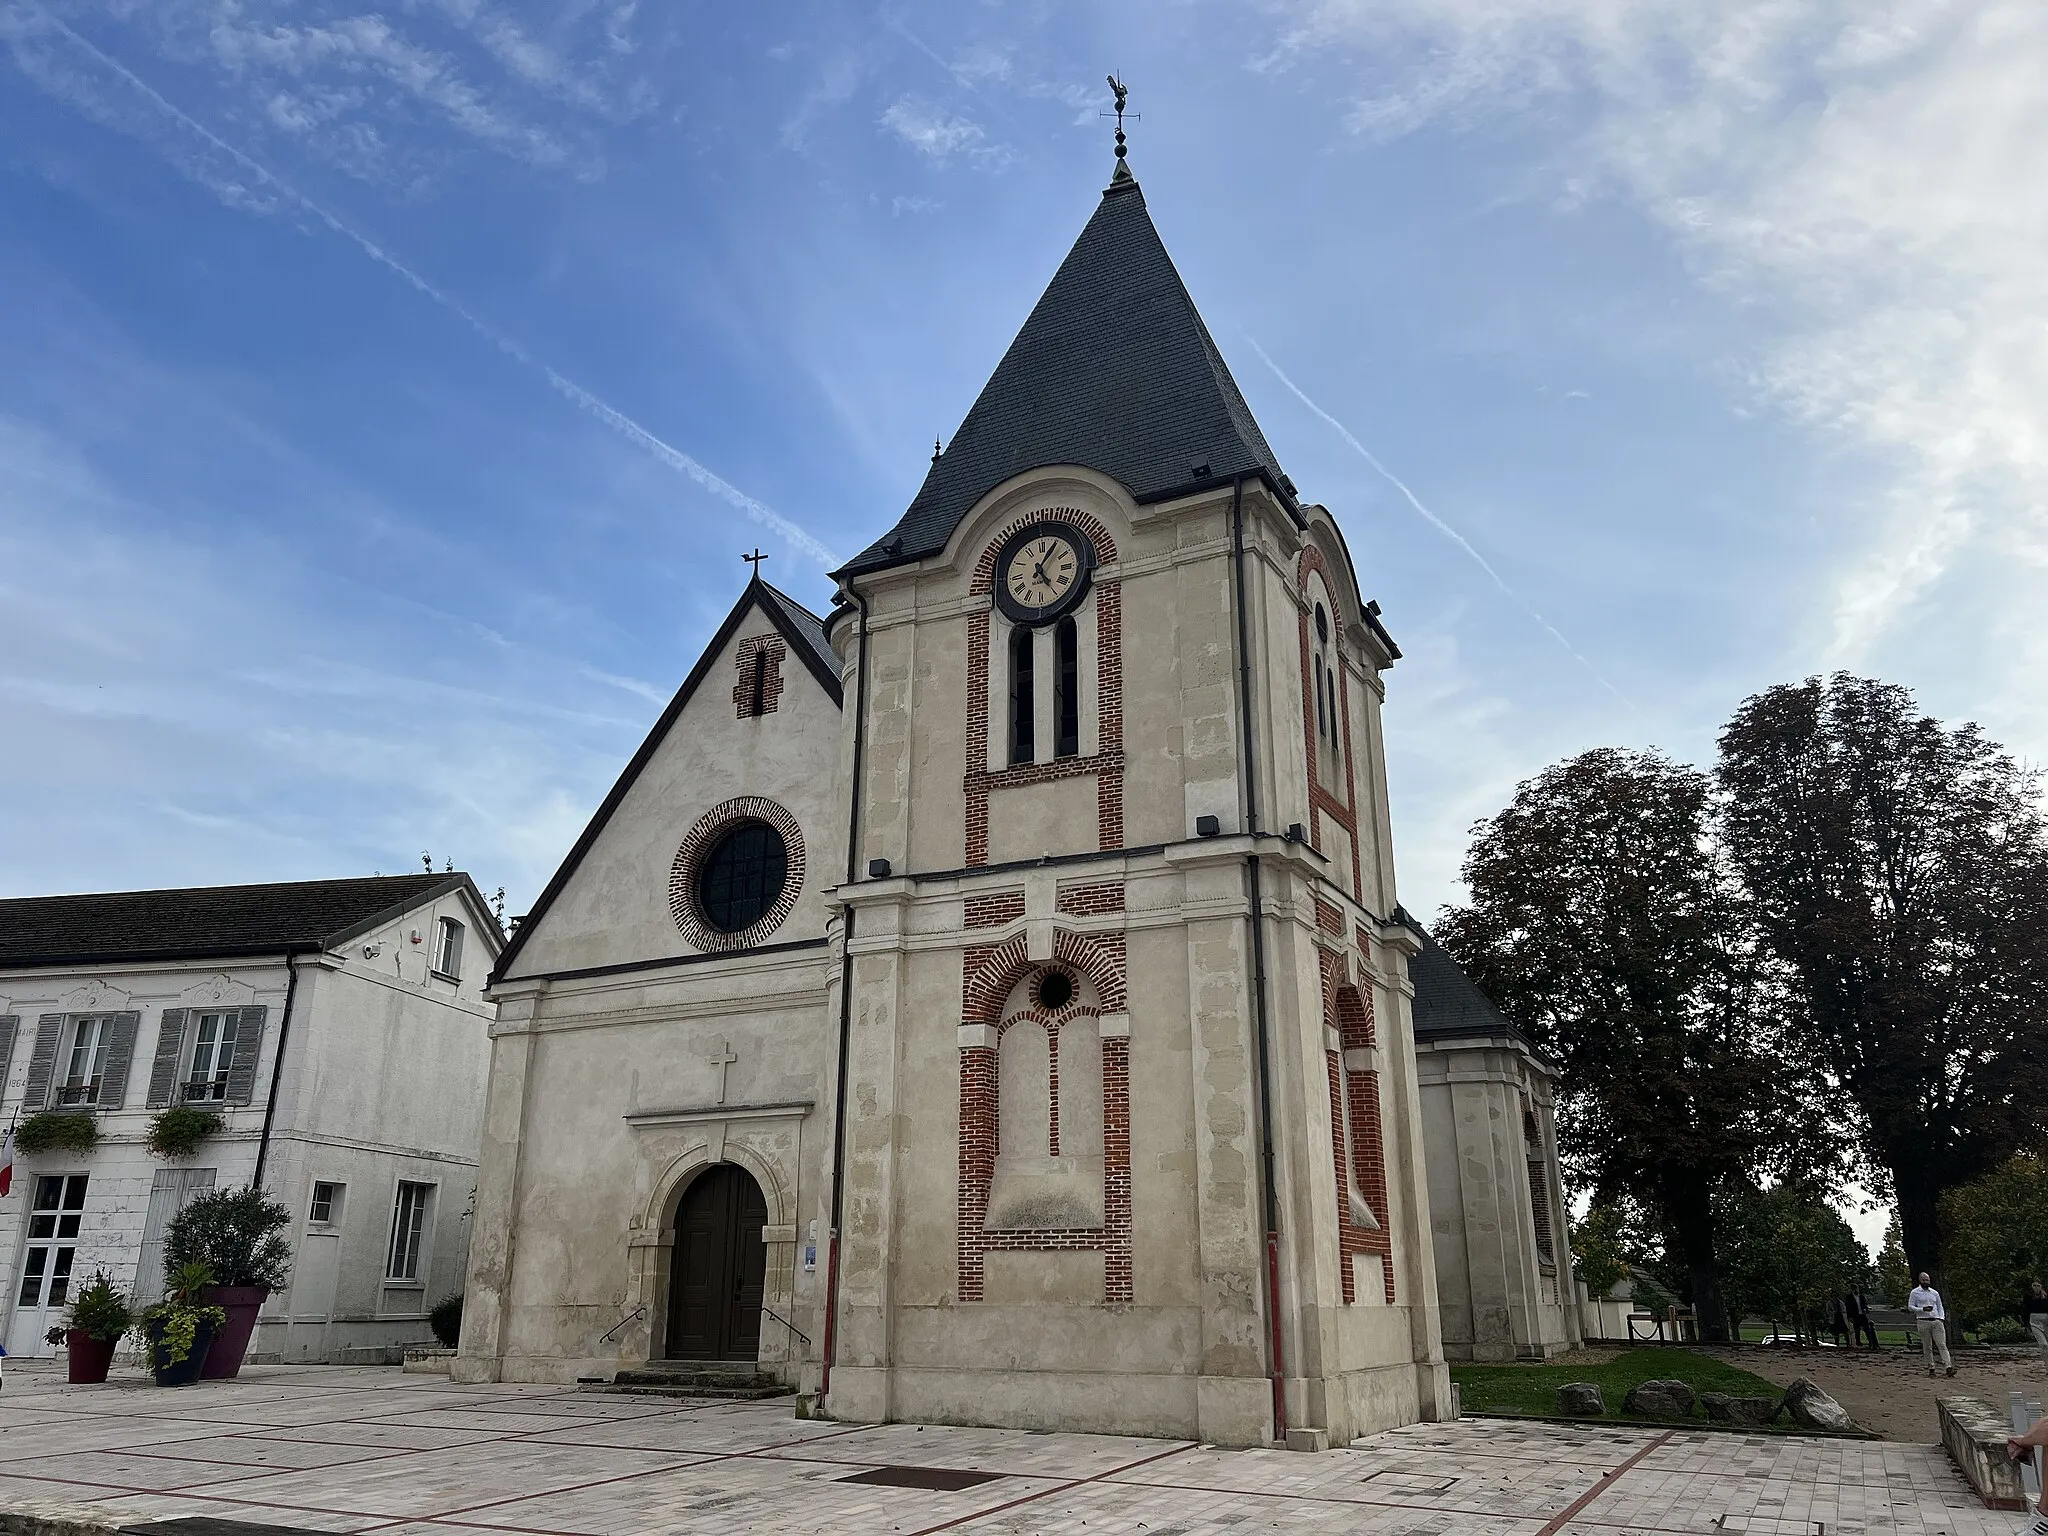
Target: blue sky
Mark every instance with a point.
(389, 394)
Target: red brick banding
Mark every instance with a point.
(682, 875)
(994, 909)
(1106, 764)
(989, 977)
(1322, 799)
(1349, 1011)
(771, 651)
(1090, 900)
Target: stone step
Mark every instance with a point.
(737, 1380)
(722, 1393)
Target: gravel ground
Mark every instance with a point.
(1889, 1390)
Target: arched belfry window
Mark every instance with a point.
(1066, 689)
(1023, 699)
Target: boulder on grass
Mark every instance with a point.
(1723, 1409)
(1812, 1407)
(1658, 1400)
(1580, 1397)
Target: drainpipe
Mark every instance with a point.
(1258, 936)
(284, 1029)
(860, 728)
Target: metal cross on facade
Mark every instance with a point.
(755, 559)
(722, 1058)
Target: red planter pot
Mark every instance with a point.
(88, 1357)
(241, 1303)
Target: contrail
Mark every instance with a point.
(616, 419)
(1438, 523)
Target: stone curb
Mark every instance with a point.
(43, 1518)
(1610, 1421)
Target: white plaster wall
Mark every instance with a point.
(614, 908)
(383, 1079)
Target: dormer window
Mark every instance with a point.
(448, 950)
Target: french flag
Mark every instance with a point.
(7, 1163)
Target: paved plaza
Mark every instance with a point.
(349, 1450)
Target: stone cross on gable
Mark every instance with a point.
(722, 1058)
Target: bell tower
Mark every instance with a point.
(1126, 1118)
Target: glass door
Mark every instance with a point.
(46, 1263)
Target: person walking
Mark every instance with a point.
(1861, 1324)
(1838, 1320)
(2034, 1312)
(1925, 1305)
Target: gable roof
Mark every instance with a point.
(1115, 371)
(1448, 1003)
(201, 921)
(804, 632)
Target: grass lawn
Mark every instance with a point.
(1533, 1388)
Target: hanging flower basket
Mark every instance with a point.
(57, 1131)
(178, 1132)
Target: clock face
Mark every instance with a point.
(1043, 572)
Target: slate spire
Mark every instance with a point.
(1113, 370)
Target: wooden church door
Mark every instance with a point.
(718, 1269)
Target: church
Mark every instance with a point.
(988, 1003)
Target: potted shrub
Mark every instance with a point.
(236, 1234)
(99, 1316)
(179, 1330)
(178, 1131)
(57, 1131)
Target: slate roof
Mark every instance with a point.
(1448, 1003)
(1114, 370)
(804, 631)
(809, 628)
(206, 920)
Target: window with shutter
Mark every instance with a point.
(42, 1062)
(121, 1029)
(213, 1054)
(248, 1043)
(170, 1052)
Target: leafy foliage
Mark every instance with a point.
(1897, 871)
(99, 1311)
(1893, 1278)
(1788, 1253)
(1995, 1233)
(171, 1327)
(236, 1234)
(1602, 919)
(178, 1131)
(1600, 1247)
(446, 1320)
(57, 1131)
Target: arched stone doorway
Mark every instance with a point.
(718, 1269)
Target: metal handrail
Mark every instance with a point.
(792, 1327)
(612, 1332)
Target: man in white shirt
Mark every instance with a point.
(1928, 1312)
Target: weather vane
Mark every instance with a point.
(1123, 94)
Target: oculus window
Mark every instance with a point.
(741, 876)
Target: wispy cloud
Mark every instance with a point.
(1438, 523)
(1862, 178)
(938, 133)
(273, 189)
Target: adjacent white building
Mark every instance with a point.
(339, 1030)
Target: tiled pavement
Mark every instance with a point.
(349, 1450)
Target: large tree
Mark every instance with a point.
(1602, 921)
(1896, 870)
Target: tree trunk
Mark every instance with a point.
(1918, 1191)
(1689, 1209)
